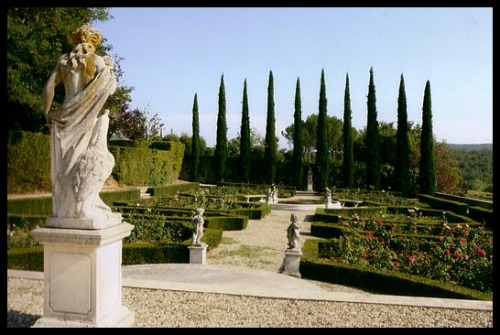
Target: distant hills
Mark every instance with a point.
(470, 147)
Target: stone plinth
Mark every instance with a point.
(83, 277)
(198, 253)
(291, 263)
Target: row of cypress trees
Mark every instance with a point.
(372, 145)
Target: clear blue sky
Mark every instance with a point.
(171, 54)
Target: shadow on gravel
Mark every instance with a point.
(17, 319)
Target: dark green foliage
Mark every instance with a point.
(245, 148)
(28, 162)
(28, 259)
(298, 144)
(220, 154)
(36, 38)
(372, 141)
(139, 165)
(322, 155)
(348, 163)
(271, 142)
(427, 173)
(476, 168)
(402, 161)
(195, 142)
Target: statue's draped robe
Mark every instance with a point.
(80, 159)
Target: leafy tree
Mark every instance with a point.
(427, 172)
(372, 149)
(402, 162)
(322, 156)
(245, 149)
(348, 163)
(298, 146)
(446, 167)
(220, 154)
(130, 124)
(476, 168)
(154, 127)
(36, 38)
(387, 140)
(195, 142)
(309, 136)
(271, 142)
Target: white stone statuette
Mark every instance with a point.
(293, 234)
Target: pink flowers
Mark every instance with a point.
(412, 259)
(481, 252)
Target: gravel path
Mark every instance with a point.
(259, 246)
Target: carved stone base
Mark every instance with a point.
(111, 219)
(83, 277)
(291, 263)
(198, 253)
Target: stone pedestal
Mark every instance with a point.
(83, 277)
(198, 253)
(291, 263)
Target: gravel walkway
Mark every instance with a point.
(259, 246)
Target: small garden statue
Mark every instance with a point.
(328, 196)
(198, 222)
(293, 233)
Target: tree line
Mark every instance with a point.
(406, 159)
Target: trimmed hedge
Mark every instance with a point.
(142, 163)
(28, 162)
(31, 259)
(43, 205)
(439, 203)
(482, 215)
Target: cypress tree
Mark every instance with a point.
(195, 142)
(220, 154)
(298, 145)
(322, 158)
(348, 164)
(402, 163)
(372, 140)
(245, 154)
(427, 172)
(270, 150)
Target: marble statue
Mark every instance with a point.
(80, 160)
(198, 222)
(293, 233)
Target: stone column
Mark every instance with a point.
(198, 253)
(83, 277)
(291, 263)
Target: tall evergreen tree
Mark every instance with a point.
(427, 172)
(322, 155)
(270, 150)
(245, 154)
(402, 161)
(348, 164)
(195, 142)
(372, 140)
(298, 143)
(220, 154)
